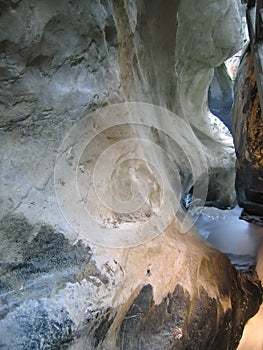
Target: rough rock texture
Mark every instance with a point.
(59, 61)
(248, 137)
(40, 285)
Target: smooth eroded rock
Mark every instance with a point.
(61, 61)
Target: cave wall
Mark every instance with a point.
(60, 61)
(63, 62)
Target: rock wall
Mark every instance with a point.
(60, 61)
(195, 62)
(248, 132)
(64, 61)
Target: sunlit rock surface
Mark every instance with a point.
(248, 135)
(59, 61)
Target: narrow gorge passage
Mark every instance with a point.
(241, 240)
(105, 129)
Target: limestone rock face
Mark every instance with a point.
(65, 61)
(248, 134)
(61, 60)
(195, 62)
